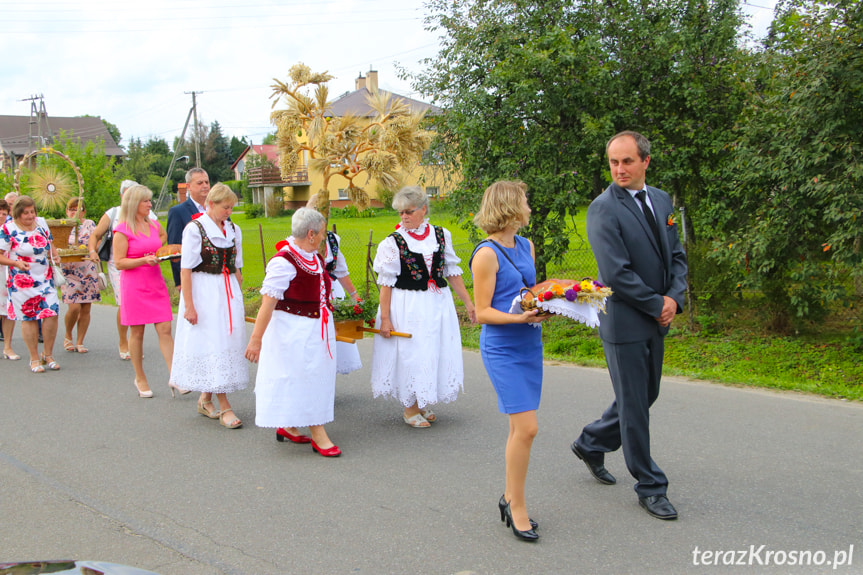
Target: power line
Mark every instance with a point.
(198, 18)
(183, 28)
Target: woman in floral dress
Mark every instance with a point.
(81, 288)
(30, 282)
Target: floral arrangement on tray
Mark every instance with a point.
(347, 309)
(585, 291)
(580, 300)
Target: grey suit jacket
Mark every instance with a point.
(630, 262)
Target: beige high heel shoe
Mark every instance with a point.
(180, 390)
(143, 394)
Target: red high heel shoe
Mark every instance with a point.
(282, 434)
(333, 451)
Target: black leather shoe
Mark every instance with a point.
(658, 506)
(530, 535)
(598, 470)
(502, 506)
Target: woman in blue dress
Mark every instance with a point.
(511, 348)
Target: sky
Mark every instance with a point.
(135, 63)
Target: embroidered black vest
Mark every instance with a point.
(213, 259)
(334, 248)
(414, 275)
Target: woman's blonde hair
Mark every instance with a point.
(220, 194)
(501, 207)
(129, 206)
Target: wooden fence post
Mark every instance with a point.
(263, 252)
(370, 272)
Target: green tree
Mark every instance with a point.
(504, 77)
(238, 145)
(269, 139)
(214, 148)
(534, 90)
(790, 220)
(216, 155)
(147, 163)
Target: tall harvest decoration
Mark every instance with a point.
(378, 147)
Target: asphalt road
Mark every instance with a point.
(90, 471)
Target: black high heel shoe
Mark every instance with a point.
(529, 535)
(502, 505)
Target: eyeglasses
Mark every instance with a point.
(407, 212)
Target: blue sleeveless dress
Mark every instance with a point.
(512, 353)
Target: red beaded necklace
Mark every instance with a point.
(311, 266)
(422, 236)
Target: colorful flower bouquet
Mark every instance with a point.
(581, 300)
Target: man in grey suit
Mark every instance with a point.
(635, 242)
(178, 216)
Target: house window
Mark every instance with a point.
(432, 192)
(343, 194)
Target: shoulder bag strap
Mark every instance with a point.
(501, 250)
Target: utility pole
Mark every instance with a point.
(193, 112)
(174, 159)
(36, 116)
(197, 133)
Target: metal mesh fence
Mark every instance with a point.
(359, 251)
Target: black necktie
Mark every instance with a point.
(651, 221)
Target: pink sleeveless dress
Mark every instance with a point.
(144, 296)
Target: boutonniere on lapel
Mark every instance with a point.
(670, 222)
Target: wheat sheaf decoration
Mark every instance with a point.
(50, 188)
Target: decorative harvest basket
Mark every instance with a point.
(50, 188)
(579, 300)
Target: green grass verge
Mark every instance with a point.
(820, 364)
(831, 370)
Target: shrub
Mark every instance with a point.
(351, 211)
(275, 206)
(254, 211)
(385, 196)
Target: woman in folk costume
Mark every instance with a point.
(211, 327)
(416, 265)
(294, 339)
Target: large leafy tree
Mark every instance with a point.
(534, 90)
(790, 222)
(507, 77)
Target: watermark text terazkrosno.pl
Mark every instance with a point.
(761, 555)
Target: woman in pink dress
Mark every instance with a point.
(82, 287)
(144, 296)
